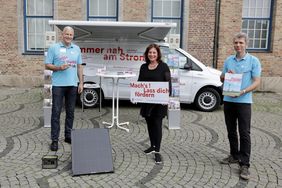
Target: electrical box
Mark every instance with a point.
(50, 38)
(174, 41)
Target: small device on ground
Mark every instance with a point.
(49, 161)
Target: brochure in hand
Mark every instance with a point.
(232, 84)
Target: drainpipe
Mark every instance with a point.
(216, 34)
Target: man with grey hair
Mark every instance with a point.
(237, 109)
(64, 59)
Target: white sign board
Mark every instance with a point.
(149, 92)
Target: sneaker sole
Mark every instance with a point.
(150, 152)
(245, 177)
(226, 163)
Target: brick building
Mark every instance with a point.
(205, 27)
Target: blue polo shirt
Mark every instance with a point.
(250, 67)
(58, 54)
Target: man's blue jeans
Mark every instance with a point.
(58, 95)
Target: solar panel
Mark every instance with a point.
(91, 151)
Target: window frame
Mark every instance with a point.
(25, 20)
(153, 18)
(102, 17)
(269, 37)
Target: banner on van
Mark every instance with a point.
(149, 92)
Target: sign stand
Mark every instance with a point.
(174, 100)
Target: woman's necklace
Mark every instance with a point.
(153, 66)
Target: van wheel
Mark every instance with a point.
(90, 97)
(207, 99)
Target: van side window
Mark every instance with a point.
(173, 58)
(170, 56)
(188, 64)
(195, 67)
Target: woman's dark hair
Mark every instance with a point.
(149, 48)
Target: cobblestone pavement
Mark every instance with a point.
(190, 155)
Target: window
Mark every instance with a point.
(168, 11)
(183, 61)
(257, 23)
(36, 16)
(106, 10)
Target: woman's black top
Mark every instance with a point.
(160, 74)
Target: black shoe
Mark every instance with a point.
(158, 158)
(68, 140)
(54, 146)
(245, 173)
(149, 150)
(229, 160)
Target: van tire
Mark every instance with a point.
(91, 98)
(207, 100)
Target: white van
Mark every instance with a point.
(119, 46)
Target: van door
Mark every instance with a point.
(186, 79)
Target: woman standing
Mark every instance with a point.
(154, 70)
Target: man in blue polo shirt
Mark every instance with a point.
(238, 109)
(64, 59)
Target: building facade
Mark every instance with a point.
(206, 29)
